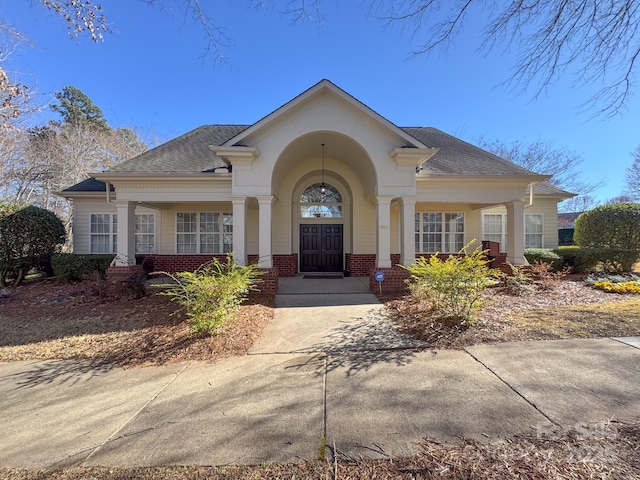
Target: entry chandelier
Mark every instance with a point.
(323, 187)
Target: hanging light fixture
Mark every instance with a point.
(323, 187)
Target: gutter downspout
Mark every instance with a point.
(530, 195)
(109, 201)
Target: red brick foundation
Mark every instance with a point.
(394, 280)
(359, 264)
(178, 263)
(122, 273)
(268, 281)
(189, 263)
(287, 265)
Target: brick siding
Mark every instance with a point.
(122, 273)
(360, 265)
(394, 280)
(178, 263)
(286, 264)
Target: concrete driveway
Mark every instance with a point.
(335, 371)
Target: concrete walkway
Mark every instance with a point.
(328, 366)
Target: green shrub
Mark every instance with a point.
(212, 293)
(582, 260)
(614, 226)
(27, 237)
(543, 255)
(453, 286)
(72, 267)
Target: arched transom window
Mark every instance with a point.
(318, 201)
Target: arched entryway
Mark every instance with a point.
(321, 243)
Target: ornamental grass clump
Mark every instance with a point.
(212, 292)
(453, 286)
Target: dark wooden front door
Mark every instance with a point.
(320, 248)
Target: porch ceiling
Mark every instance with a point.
(338, 147)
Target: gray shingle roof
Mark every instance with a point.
(89, 185)
(457, 157)
(545, 188)
(188, 153)
(191, 153)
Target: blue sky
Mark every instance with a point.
(150, 74)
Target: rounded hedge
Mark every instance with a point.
(609, 226)
(26, 237)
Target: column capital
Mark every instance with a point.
(266, 199)
(409, 200)
(384, 200)
(239, 200)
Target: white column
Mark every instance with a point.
(126, 240)
(383, 232)
(515, 233)
(407, 230)
(265, 260)
(239, 230)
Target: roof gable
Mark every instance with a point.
(323, 87)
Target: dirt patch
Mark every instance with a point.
(566, 309)
(51, 320)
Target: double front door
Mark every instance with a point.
(321, 248)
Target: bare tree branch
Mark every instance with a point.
(596, 42)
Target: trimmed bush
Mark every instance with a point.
(543, 255)
(72, 267)
(453, 286)
(583, 260)
(212, 292)
(609, 226)
(580, 260)
(27, 238)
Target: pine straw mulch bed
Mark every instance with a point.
(568, 308)
(45, 320)
(608, 451)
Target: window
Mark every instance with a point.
(210, 232)
(145, 231)
(533, 230)
(104, 229)
(439, 232)
(321, 202)
(103, 233)
(494, 229)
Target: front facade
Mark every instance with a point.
(322, 184)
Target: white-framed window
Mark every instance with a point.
(439, 232)
(104, 232)
(145, 232)
(494, 228)
(533, 230)
(204, 232)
